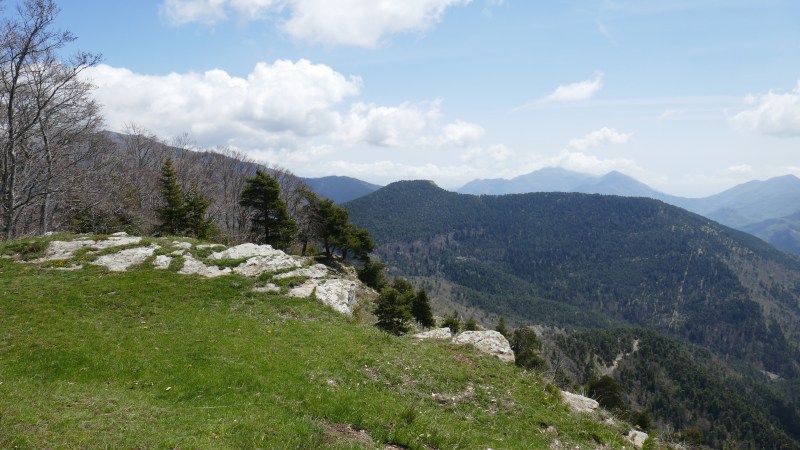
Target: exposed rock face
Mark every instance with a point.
(122, 260)
(437, 333)
(258, 265)
(579, 403)
(315, 271)
(491, 342)
(192, 266)
(335, 288)
(339, 294)
(162, 262)
(246, 251)
(637, 438)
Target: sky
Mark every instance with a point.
(689, 96)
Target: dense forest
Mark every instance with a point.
(579, 261)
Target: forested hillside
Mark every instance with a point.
(575, 261)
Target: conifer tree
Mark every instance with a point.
(421, 309)
(172, 213)
(197, 224)
(471, 324)
(270, 220)
(393, 310)
(502, 328)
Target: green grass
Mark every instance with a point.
(153, 359)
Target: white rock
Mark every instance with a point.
(636, 438)
(257, 265)
(579, 403)
(205, 246)
(193, 266)
(437, 333)
(304, 290)
(64, 249)
(182, 245)
(491, 342)
(162, 262)
(315, 271)
(122, 260)
(268, 289)
(245, 251)
(339, 294)
(117, 239)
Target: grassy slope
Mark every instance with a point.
(153, 359)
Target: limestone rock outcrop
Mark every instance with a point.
(491, 342)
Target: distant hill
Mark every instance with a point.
(550, 179)
(572, 260)
(742, 207)
(340, 189)
(783, 232)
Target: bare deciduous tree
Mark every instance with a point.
(46, 110)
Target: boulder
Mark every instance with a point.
(637, 438)
(315, 271)
(193, 266)
(122, 260)
(339, 294)
(257, 265)
(579, 403)
(436, 333)
(245, 251)
(491, 342)
(162, 262)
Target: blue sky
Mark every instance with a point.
(691, 97)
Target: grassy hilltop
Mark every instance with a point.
(153, 359)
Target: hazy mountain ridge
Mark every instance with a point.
(340, 189)
(743, 207)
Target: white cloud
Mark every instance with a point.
(181, 12)
(741, 169)
(275, 102)
(388, 126)
(278, 108)
(362, 23)
(461, 134)
(574, 92)
(602, 136)
(773, 113)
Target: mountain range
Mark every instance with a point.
(769, 209)
(583, 261)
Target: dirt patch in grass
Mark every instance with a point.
(344, 434)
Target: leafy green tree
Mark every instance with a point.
(501, 327)
(471, 324)
(270, 220)
(333, 226)
(393, 310)
(526, 346)
(172, 213)
(421, 309)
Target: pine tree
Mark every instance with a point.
(393, 310)
(502, 328)
(471, 325)
(172, 214)
(196, 222)
(270, 223)
(421, 309)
